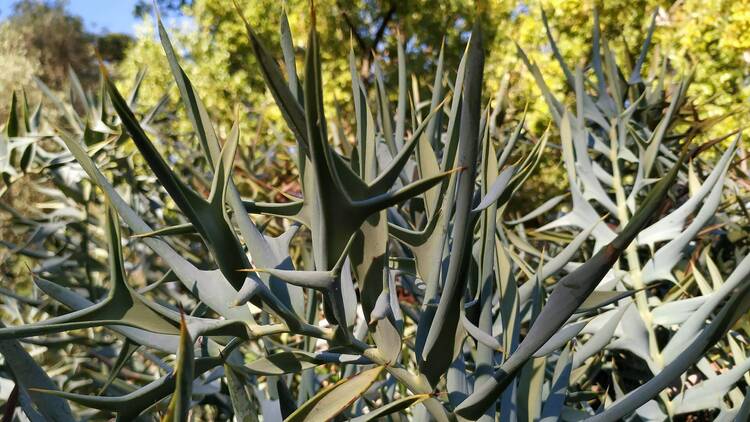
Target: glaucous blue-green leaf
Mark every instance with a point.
(568, 294)
(181, 402)
(396, 406)
(336, 398)
(435, 360)
(29, 375)
(737, 305)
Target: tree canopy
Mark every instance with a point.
(708, 37)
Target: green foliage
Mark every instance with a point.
(707, 36)
(19, 63)
(397, 282)
(223, 69)
(61, 44)
(28, 53)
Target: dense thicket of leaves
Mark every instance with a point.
(156, 268)
(40, 38)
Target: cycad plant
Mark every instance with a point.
(399, 285)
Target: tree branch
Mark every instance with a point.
(368, 46)
(354, 30)
(383, 24)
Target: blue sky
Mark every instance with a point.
(98, 15)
